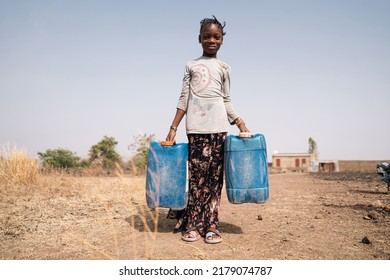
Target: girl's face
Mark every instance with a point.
(211, 39)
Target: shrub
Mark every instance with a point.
(60, 158)
(138, 162)
(104, 153)
(17, 167)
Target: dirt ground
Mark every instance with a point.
(332, 216)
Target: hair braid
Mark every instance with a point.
(207, 21)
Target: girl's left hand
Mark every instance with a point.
(243, 127)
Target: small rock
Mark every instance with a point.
(365, 240)
(366, 218)
(374, 215)
(259, 217)
(376, 203)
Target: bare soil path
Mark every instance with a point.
(309, 216)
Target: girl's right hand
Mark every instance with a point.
(171, 135)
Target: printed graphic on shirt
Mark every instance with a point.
(202, 109)
(200, 78)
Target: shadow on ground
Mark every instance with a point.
(151, 218)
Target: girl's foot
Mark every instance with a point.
(191, 236)
(213, 236)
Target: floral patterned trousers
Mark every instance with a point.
(206, 152)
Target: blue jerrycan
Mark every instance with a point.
(167, 175)
(246, 169)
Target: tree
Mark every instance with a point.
(313, 149)
(141, 147)
(60, 158)
(104, 152)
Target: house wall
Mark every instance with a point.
(359, 165)
(289, 163)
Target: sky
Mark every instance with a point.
(72, 72)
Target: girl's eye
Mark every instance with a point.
(207, 36)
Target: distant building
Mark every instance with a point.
(293, 162)
(302, 162)
(306, 162)
(326, 166)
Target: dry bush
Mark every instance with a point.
(133, 167)
(17, 167)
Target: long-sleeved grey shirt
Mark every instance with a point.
(205, 96)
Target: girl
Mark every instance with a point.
(205, 100)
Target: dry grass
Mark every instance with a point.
(144, 214)
(17, 167)
(56, 215)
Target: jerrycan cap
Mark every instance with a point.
(167, 143)
(245, 134)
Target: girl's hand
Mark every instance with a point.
(171, 135)
(242, 127)
(175, 123)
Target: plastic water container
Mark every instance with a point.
(246, 169)
(167, 175)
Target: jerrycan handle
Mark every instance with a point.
(244, 135)
(167, 143)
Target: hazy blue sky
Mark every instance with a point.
(72, 72)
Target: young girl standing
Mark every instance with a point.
(205, 100)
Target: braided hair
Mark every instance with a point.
(207, 21)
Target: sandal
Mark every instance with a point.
(191, 236)
(213, 237)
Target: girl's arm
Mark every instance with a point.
(175, 123)
(241, 125)
(231, 114)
